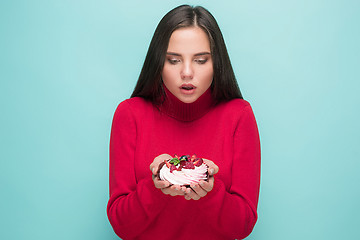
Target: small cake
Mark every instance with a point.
(183, 170)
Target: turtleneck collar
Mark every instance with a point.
(177, 109)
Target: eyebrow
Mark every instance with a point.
(179, 55)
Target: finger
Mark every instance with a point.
(191, 194)
(166, 190)
(186, 194)
(208, 186)
(183, 189)
(199, 190)
(173, 191)
(176, 189)
(154, 167)
(187, 197)
(213, 168)
(155, 164)
(160, 183)
(211, 165)
(164, 156)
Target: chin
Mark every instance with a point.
(188, 100)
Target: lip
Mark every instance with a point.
(189, 91)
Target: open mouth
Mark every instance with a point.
(187, 87)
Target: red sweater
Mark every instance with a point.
(225, 133)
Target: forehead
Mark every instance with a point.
(189, 40)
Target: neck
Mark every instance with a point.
(179, 110)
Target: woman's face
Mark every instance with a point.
(188, 67)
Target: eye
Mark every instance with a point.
(201, 60)
(173, 61)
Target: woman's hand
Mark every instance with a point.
(164, 186)
(197, 191)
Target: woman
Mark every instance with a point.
(186, 101)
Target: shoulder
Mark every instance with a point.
(234, 106)
(133, 107)
(234, 111)
(134, 104)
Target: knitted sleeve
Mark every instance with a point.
(132, 205)
(233, 212)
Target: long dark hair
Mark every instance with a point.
(149, 85)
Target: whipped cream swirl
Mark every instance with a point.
(185, 176)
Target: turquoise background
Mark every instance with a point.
(65, 65)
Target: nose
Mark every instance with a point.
(187, 72)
